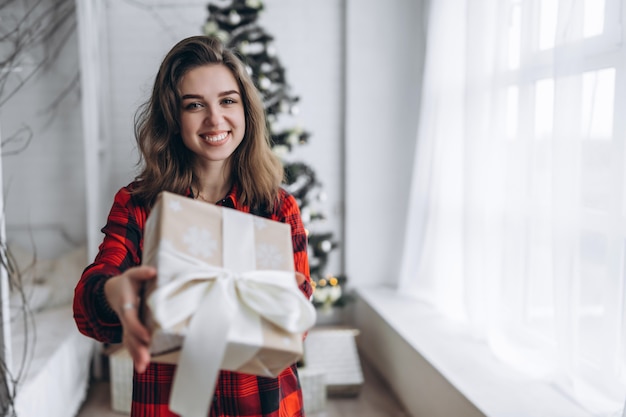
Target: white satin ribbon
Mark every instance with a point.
(207, 295)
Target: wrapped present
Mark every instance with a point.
(225, 296)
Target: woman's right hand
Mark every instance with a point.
(122, 294)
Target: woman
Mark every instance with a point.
(202, 134)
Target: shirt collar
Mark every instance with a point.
(230, 200)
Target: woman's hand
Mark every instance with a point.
(122, 293)
(300, 278)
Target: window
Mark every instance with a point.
(533, 212)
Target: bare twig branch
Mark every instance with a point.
(22, 138)
(38, 27)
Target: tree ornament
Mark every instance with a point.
(210, 28)
(264, 82)
(271, 51)
(234, 17)
(293, 138)
(326, 246)
(306, 215)
(334, 293)
(244, 49)
(254, 48)
(280, 150)
(223, 36)
(254, 4)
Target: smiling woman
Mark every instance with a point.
(202, 132)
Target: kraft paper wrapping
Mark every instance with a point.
(225, 296)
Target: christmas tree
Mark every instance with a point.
(235, 22)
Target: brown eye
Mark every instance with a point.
(193, 106)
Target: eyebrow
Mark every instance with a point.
(199, 96)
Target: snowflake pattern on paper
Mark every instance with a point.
(268, 256)
(175, 206)
(259, 223)
(200, 242)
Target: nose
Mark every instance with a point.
(213, 116)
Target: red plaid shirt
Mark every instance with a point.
(235, 394)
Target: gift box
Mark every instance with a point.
(225, 296)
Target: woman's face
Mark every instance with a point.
(212, 116)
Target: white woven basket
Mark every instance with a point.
(313, 382)
(121, 369)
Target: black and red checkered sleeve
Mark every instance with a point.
(119, 250)
(290, 213)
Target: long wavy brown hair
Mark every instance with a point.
(167, 163)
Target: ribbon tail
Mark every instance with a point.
(195, 377)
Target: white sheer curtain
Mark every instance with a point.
(517, 217)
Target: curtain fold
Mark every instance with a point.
(517, 213)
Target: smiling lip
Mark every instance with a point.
(215, 139)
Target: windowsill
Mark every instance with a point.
(466, 363)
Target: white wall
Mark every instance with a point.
(385, 47)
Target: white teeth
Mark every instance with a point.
(215, 138)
